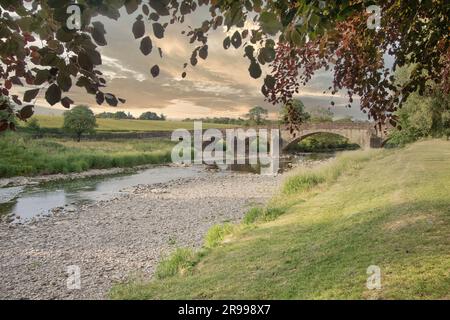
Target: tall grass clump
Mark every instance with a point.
(262, 214)
(176, 263)
(253, 215)
(303, 182)
(217, 233)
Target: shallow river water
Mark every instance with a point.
(23, 203)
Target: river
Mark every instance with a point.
(114, 228)
(20, 204)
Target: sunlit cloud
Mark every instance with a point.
(115, 69)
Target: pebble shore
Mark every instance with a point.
(125, 236)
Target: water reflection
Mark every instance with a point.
(286, 163)
(39, 200)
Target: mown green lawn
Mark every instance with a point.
(56, 122)
(391, 210)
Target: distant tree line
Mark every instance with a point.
(152, 116)
(121, 115)
(294, 113)
(220, 120)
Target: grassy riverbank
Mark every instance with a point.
(22, 156)
(385, 208)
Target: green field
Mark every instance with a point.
(22, 156)
(390, 209)
(56, 122)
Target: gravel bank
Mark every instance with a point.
(111, 240)
(32, 181)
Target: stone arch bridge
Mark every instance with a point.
(363, 134)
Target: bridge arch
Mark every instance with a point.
(298, 139)
(362, 134)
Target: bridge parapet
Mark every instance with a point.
(334, 125)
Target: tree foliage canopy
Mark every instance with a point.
(257, 115)
(79, 120)
(294, 113)
(321, 114)
(152, 116)
(118, 115)
(295, 38)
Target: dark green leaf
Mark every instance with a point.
(111, 100)
(249, 51)
(138, 29)
(268, 54)
(85, 62)
(94, 57)
(160, 6)
(154, 16)
(98, 33)
(131, 6)
(64, 36)
(100, 97)
(26, 112)
(41, 77)
(30, 95)
(269, 23)
(66, 102)
(203, 52)
(158, 30)
(146, 46)
(145, 10)
(185, 8)
(297, 37)
(269, 82)
(255, 70)
(226, 43)
(236, 40)
(53, 94)
(155, 71)
(64, 81)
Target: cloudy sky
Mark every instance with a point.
(219, 86)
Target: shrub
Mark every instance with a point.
(33, 125)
